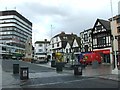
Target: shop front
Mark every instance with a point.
(105, 55)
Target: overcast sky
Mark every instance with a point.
(70, 16)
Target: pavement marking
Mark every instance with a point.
(42, 84)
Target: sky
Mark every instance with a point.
(70, 16)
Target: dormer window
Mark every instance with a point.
(56, 38)
(99, 27)
(40, 45)
(65, 37)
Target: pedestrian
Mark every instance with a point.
(67, 60)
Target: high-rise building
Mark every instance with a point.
(15, 30)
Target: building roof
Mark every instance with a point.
(90, 29)
(78, 41)
(38, 42)
(66, 38)
(14, 12)
(105, 23)
(114, 18)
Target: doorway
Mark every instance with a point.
(106, 58)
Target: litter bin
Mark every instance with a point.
(59, 66)
(24, 73)
(53, 63)
(77, 69)
(15, 68)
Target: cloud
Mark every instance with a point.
(65, 15)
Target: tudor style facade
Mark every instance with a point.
(101, 35)
(59, 42)
(73, 47)
(86, 40)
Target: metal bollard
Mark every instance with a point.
(24, 73)
(77, 70)
(53, 63)
(15, 68)
(59, 66)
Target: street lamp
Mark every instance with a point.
(115, 71)
(51, 42)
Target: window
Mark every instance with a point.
(57, 44)
(86, 48)
(40, 45)
(70, 50)
(40, 50)
(52, 45)
(101, 41)
(118, 20)
(85, 37)
(64, 37)
(118, 28)
(99, 27)
(56, 38)
(66, 50)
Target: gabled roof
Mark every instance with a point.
(104, 23)
(37, 42)
(66, 38)
(78, 41)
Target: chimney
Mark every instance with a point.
(45, 39)
(72, 33)
(62, 32)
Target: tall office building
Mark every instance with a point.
(15, 30)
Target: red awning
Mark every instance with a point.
(103, 51)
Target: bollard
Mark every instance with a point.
(53, 63)
(59, 66)
(24, 73)
(77, 70)
(15, 68)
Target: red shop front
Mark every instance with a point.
(105, 55)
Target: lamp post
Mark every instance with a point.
(115, 70)
(51, 42)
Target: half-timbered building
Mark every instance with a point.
(86, 40)
(101, 35)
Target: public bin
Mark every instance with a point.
(53, 63)
(77, 69)
(24, 73)
(15, 68)
(59, 66)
